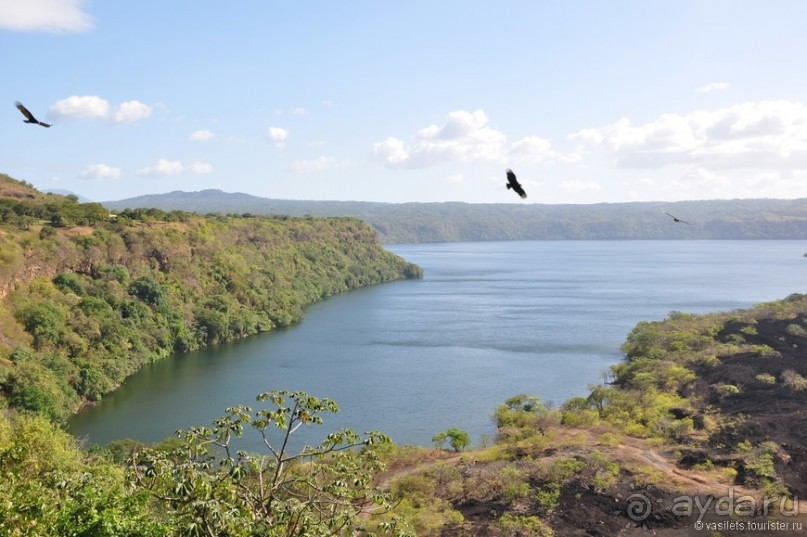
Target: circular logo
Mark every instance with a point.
(639, 507)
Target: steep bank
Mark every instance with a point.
(86, 299)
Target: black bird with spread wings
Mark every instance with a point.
(29, 117)
(675, 218)
(513, 183)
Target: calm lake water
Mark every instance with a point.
(488, 321)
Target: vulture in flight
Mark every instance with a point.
(513, 183)
(29, 117)
(675, 219)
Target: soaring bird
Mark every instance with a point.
(29, 117)
(675, 219)
(513, 183)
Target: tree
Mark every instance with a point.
(457, 439)
(148, 290)
(44, 320)
(318, 491)
(524, 410)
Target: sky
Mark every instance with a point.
(417, 101)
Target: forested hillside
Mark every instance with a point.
(447, 222)
(87, 298)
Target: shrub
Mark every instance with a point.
(148, 290)
(725, 389)
(457, 438)
(524, 411)
(796, 330)
(32, 387)
(524, 526)
(44, 321)
(794, 381)
(766, 378)
(579, 418)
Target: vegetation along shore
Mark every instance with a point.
(88, 299)
(699, 431)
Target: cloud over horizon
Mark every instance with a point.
(751, 135)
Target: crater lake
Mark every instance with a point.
(488, 321)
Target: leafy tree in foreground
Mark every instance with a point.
(323, 490)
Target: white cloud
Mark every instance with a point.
(311, 166)
(752, 135)
(464, 137)
(100, 171)
(534, 149)
(80, 107)
(202, 135)
(277, 135)
(54, 16)
(456, 178)
(165, 167)
(392, 152)
(130, 111)
(95, 107)
(714, 86)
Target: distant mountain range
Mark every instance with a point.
(456, 221)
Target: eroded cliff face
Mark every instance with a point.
(25, 275)
(15, 192)
(20, 265)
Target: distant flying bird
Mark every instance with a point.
(675, 219)
(28, 115)
(513, 183)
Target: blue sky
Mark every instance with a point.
(587, 101)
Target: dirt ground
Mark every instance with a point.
(766, 411)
